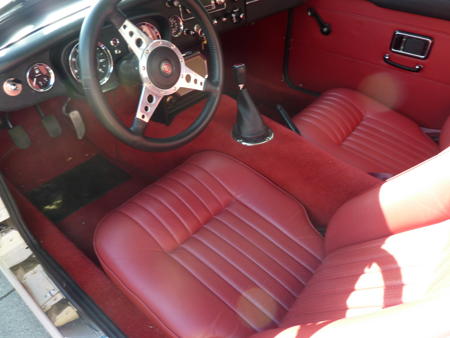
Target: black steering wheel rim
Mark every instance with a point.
(105, 10)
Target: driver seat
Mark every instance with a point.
(214, 249)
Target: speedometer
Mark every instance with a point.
(105, 64)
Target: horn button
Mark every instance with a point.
(163, 67)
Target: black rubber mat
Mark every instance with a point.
(76, 188)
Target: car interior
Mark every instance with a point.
(236, 168)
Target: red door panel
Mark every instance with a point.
(352, 57)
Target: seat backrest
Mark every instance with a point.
(416, 198)
(445, 135)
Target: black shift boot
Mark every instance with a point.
(249, 129)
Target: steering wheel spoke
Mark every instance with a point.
(148, 103)
(190, 79)
(136, 39)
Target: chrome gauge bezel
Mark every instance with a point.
(109, 71)
(50, 72)
(152, 27)
(180, 23)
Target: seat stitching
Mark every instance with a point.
(388, 126)
(376, 153)
(264, 252)
(321, 127)
(398, 142)
(342, 110)
(180, 199)
(212, 176)
(324, 125)
(273, 242)
(238, 268)
(212, 291)
(300, 244)
(269, 182)
(229, 282)
(164, 225)
(168, 207)
(369, 137)
(193, 193)
(357, 150)
(242, 252)
(140, 226)
(203, 184)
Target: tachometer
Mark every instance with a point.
(176, 26)
(105, 63)
(150, 30)
(40, 77)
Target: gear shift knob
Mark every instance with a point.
(240, 75)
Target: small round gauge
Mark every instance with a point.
(105, 63)
(150, 30)
(176, 26)
(40, 77)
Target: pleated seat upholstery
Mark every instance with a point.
(365, 133)
(214, 249)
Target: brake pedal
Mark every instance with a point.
(50, 123)
(75, 117)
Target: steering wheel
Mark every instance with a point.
(162, 70)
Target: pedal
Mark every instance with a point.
(19, 137)
(52, 126)
(50, 123)
(75, 117)
(77, 123)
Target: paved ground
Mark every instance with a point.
(16, 321)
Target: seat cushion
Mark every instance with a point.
(364, 133)
(365, 278)
(211, 249)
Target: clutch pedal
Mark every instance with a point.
(17, 134)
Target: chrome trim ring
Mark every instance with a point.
(50, 73)
(109, 57)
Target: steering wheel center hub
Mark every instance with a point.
(161, 66)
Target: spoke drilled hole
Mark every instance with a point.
(188, 78)
(146, 108)
(195, 81)
(143, 116)
(139, 42)
(131, 33)
(150, 99)
(125, 26)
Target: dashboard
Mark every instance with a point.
(44, 63)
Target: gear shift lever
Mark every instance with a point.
(249, 129)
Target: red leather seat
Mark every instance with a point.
(214, 249)
(365, 133)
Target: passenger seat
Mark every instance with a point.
(366, 133)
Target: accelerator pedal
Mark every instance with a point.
(75, 117)
(50, 123)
